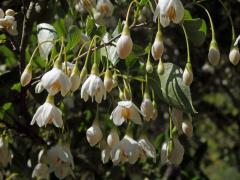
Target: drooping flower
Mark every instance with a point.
(5, 153)
(108, 80)
(41, 171)
(113, 138)
(75, 78)
(187, 128)
(105, 7)
(147, 108)
(56, 80)
(124, 44)
(127, 150)
(94, 134)
(126, 110)
(169, 10)
(93, 87)
(48, 113)
(148, 150)
(173, 156)
(60, 160)
(187, 76)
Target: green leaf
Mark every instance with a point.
(89, 25)
(74, 36)
(173, 91)
(196, 30)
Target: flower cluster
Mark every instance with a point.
(57, 159)
(8, 22)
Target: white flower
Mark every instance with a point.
(113, 138)
(93, 87)
(175, 156)
(40, 171)
(26, 76)
(124, 46)
(147, 109)
(46, 32)
(5, 153)
(94, 134)
(169, 10)
(187, 76)
(108, 80)
(60, 160)
(75, 78)
(147, 148)
(105, 151)
(56, 80)
(214, 53)
(126, 110)
(127, 150)
(187, 128)
(46, 114)
(105, 7)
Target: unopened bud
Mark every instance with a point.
(124, 43)
(149, 67)
(157, 47)
(113, 138)
(108, 81)
(234, 56)
(187, 75)
(75, 78)
(187, 128)
(214, 54)
(26, 76)
(83, 74)
(160, 68)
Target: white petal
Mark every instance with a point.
(50, 77)
(135, 115)
(156, 13)
(37, 115)
(65, 84)
(126, 104)
(164, 20)
(178, 6)
(117, 116)
(57, 121)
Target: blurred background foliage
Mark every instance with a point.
(213, 152)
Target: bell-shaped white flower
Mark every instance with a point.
(63, 170)
(48, 113)
(108, 81)
(46, 32)
(59, 155)
(26, 76)
(93, 87)
(169, 10)
(113, 138)
(94, 134)
(126, 110)
(124, 44)
(173, 156)
(157, 47)
(127, 150)
(234, 55)
(41, 171)
(187, 128)
(148, 150)
(105, 7)
(5, 153)
(56, 80)
(147, 108)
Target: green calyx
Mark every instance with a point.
(188, 66)
(50, 99)
(126, 30)
(158, 36)
(108, 74)
(214, 44)
(95, 69)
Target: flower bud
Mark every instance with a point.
(160, 68)
(94, 134)
(108, 81)
(234, 55)
(113, 138)
(149, 67)
(155, 111)
(10, 12)
(187, 128)
(187, 75)
(214, 54)
(26, 76)
(75, 78)
(157, 47)
(115, 79)
(124, 43)
(83, 74)
(147, 108)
